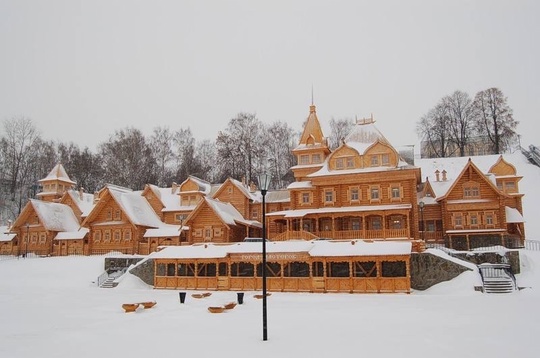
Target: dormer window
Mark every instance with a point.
(374, 160)
(471, 190)
(339, 163)
(350, 162)
(385, 159)
(316, 158)
(304, 159)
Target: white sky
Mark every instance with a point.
(81, 69)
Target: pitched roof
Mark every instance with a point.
(312, 133)
(136, 207)
(58, 173)
(228, 213)
(55, 216)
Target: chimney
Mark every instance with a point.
(252, 187)
(244, 181)
(437, 172)
(444, 175)
(81, 192)
(96, 197)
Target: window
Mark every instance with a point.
(317, 269)
(179, 217)
(489, 219)
(394, 269)
(473, 219)
(304, 159)
(458, 220)
(107, 237)
(337, 269)
(376, 223)
(396, 192)
(328, 196)
(374, 161)
(355, 194)
(186, 269)
(127, 235)
(206, 269)
(350, 162)
(117, 235)
(254, 213)
(385, 159)
(97, 236)
(229, 190)
(305, 198)
(208, 233)
(273, 269)
(374, 193)
(316, 158)
(339, 163)
(365, 269)
(510, 186)
(109, 214)
(355, 224)
(117, 215)
(296, 269)
(242, 269)
(42, 238)
(471, 190)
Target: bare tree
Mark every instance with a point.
(461, 118)
(279, 152)
(162, 145)
(495, 118)
(17, 148)
(339, 128)
(206, 153)
(127, 159)
(433, 128)
(242, 147)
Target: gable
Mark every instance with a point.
(503, 168)
(472, 184)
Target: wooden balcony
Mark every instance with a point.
(341, 235)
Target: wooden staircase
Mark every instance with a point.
(497, 278)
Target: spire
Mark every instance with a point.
(312, 133)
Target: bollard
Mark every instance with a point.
(182, 297)
(240, 296)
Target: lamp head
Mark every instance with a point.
(264, 182)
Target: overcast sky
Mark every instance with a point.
(82, 69)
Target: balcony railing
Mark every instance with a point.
(341, 235)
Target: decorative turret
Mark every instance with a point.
(55, 184)
(313, 148)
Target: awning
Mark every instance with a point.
(513, 215)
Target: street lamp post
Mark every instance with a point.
(421, 204)
(26, 241)
(264, 183)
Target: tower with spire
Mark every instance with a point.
(55, 184)
(312, 149)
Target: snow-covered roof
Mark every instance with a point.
(5, 235)
(72, 235)
(85, 204)
(297, 213)
(315, 248)
(513, 215)
(300, 185)
(453, 167)
(57, 173)
(55, 216)
(137, 208)
(165, 231)
(228, 213)
(365, 131)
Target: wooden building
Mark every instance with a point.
(363, 189)
(471, 202)
(354, 266)
(119, 222)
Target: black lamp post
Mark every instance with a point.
(264, 183)
(27, 238)
(421, 204)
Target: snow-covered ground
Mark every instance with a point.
(51, 307)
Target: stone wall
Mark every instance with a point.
(493, 257)
(428, 270)
(119, 263)
(145, 271)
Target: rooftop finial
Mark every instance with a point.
(312, 102)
